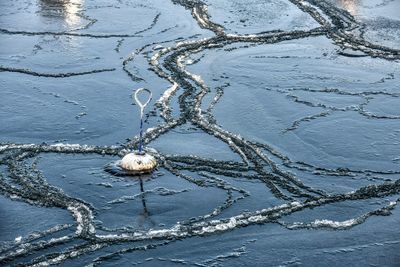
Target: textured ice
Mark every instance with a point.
(272, 123)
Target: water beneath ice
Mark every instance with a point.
(275, 125)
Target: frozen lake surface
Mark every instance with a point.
(276, 126)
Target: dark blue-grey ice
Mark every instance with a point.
(275, 125)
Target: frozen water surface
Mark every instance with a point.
(275, 125)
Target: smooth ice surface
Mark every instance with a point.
(275, 125)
